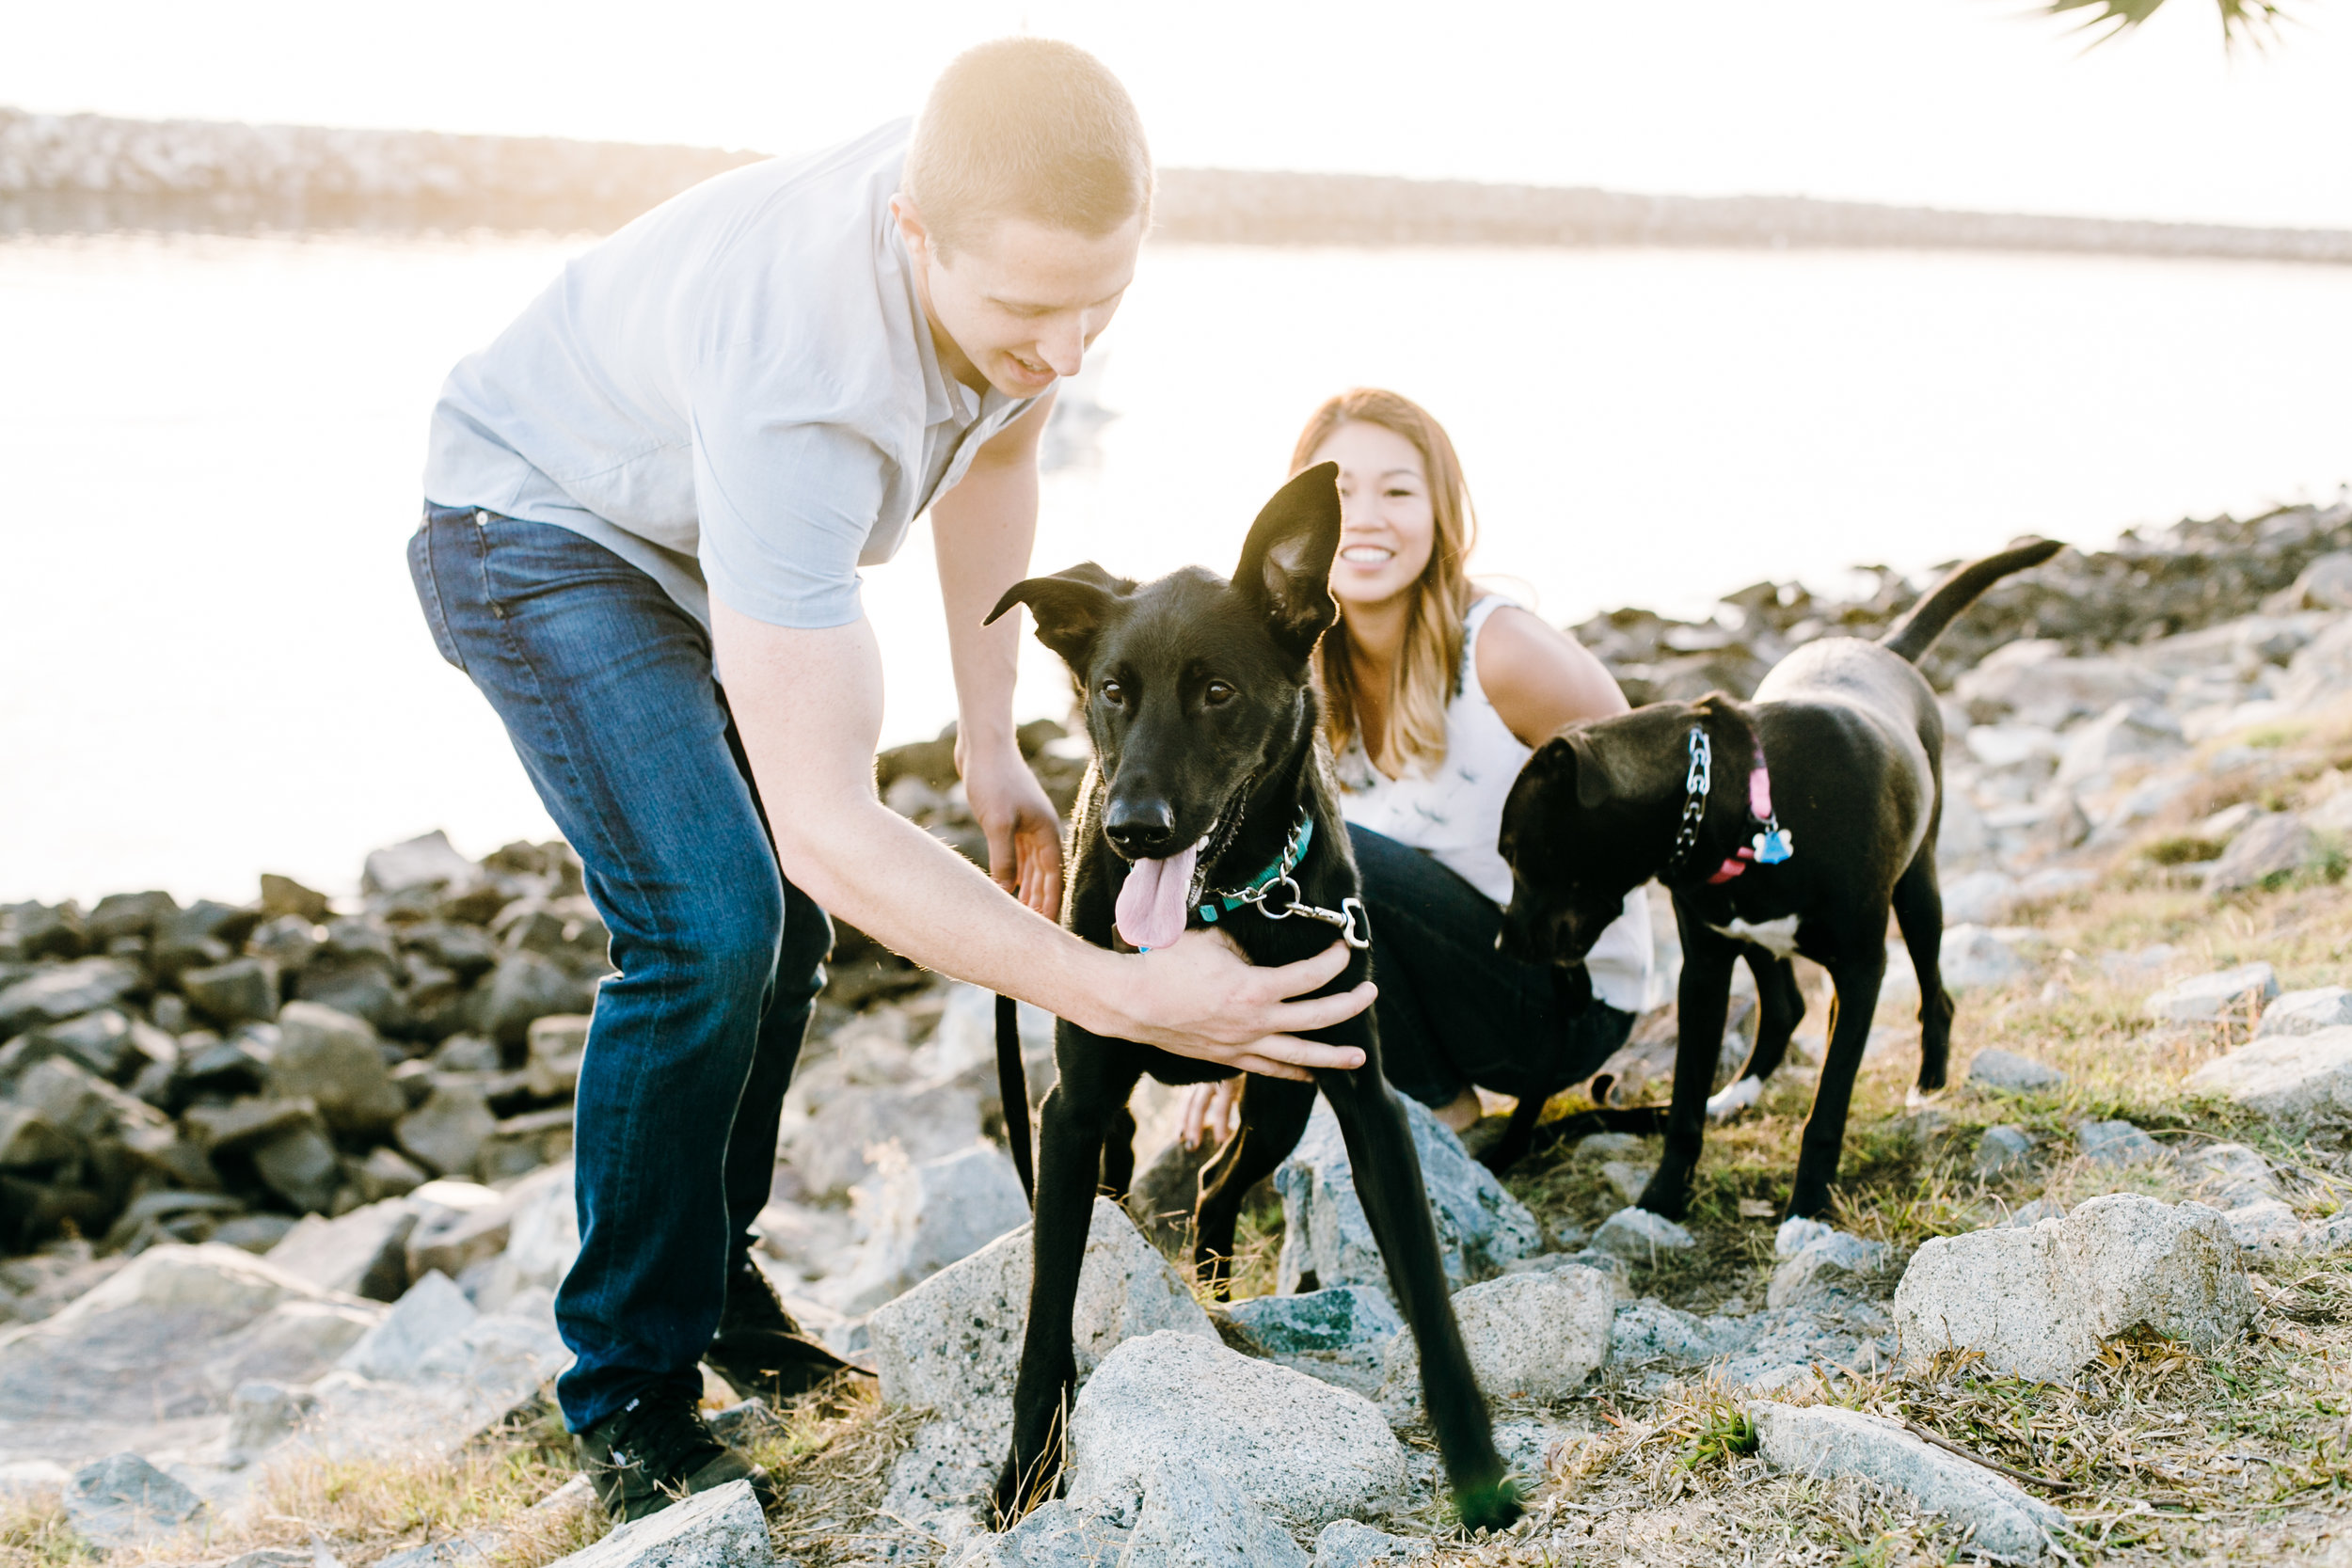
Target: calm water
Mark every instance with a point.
(211, 662)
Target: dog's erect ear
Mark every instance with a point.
(1070, 608)
(1286, 565)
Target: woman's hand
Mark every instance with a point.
(1202, 999)
(1209, 1112)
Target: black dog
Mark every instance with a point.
(1680, 791)
(1210, 801)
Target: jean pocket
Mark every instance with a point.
(429, 594)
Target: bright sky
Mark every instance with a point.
(1978, 103)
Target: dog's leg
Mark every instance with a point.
(1519, 1136)
(1097, 1075)
(1388, 1182)
(1780, 1004)
(1919, 911)
(1700, 1004)
(1272, 1114)
(1856, 975)
(1119, 1154)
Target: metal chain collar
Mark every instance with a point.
(1695, 784)
(1274, 894)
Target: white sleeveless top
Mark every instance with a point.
(1454, 814)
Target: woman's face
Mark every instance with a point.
(1388, 526)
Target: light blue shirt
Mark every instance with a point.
(736, 393)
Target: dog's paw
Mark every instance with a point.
(1495, 1507)
(1917, 1100)
(1735, 1097)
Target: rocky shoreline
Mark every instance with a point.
(286, 1179)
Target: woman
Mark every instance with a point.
(1435, 694)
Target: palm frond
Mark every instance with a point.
(2256, 21)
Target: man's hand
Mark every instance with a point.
(1023, 831)
(1202, 999)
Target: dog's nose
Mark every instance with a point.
(1141, 830)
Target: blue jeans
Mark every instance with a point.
(1452, 1011)
(605, 688)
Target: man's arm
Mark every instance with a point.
(808, 706)
(981, 531)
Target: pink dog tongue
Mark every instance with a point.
(1151, 911)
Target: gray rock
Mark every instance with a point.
(527, 987)
(2146, 963)
(953, 1343)
(446, 1131)
(2035, 682)
(100, 1042)
(1324, 1233)
(427, 860)
(554, 1046)
(718, 1529)
(53, 995)
(1648, 1331)
(543, 1237)
(122, 1501)
(1824, 1441)
(1340, 1335)
(337, 1061)
(1628, 1178)
(79, 1101)
(1611, 1146)
(298, 1163)
(1824, 1268)
(2116, 1143)
(387, 1173)
(460, 1224)
(2234, 994)
(1351, 1544)
(1974, 959)
(2306, 1012)
(2002, 1150)
(1194, 1516)
(2130, 732)
(29, 1140)
(363, 1253)
(2286, 1075)
(2230, 1176)
(1053, 1535)
(827, 1144)
(2006, 1070)
(919, 1219)
(1305, 1452)
(2039, 1302)
(37, 1483)
(1784, 1349)
(243, 990)
(2266, 1225)
(1639, 1236)
(431, 1313)
(1978, 898)
(253, 1233)
(261, 1414)
(2033, 1213)
(2274, 848)
(1530, 1336)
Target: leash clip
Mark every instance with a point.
(1354, 923)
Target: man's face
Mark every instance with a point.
(1016, 306)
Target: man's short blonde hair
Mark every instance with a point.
(1030, 128)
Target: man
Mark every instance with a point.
(675, 460)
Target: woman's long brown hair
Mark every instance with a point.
(1429, 665)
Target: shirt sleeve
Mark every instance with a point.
(784, 511)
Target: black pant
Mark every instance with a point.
(1454, 1011)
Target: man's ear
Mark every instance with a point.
(1070, 608)
(1286, 567)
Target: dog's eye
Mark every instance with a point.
(1219, 693)
(1113, 693)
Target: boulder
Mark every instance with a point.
(100, 1042)
(2286, 1075)
(1639, 1236)
(2033, 681)
(554, 1046)
(1827, 1266)
(2230, 1176)
(2116, 1143)
(2326, 583)
(283, 896)
(363, 1253)
(1053, 1535)
(1530, 1336)
(297, 1161)
(458, 1224)
(2006, 1070)
(427, 860)
(67, 990)
(30, 1141)
(337, 1062)
(81, 1102)
(2002, 1150)
(2265, 1226)
(2137, 731)
(918, 1219)
(1326, 1235)
(446, 1131)
(260, 1415)
(1305, 1452)
(1979, 898)
(243, 990)
(1650, 1331)
(2228, 993)
(542, 1237)
(722, 1528)
(2039, 1302)
(953, 1343)
(1340, 1334)
(833, 1149)
(1821, 1440)
(2305, 1012)
(431, 1311)
(122, 1501)
(2273, 848)
(1198, 1514)
(527, 987)
(1976, 959)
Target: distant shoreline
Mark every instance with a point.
(64, 174)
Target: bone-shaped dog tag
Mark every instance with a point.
(1774, 847)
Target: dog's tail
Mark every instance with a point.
(1917, 631)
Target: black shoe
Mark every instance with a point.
(759, 1350)
(654, 1450)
